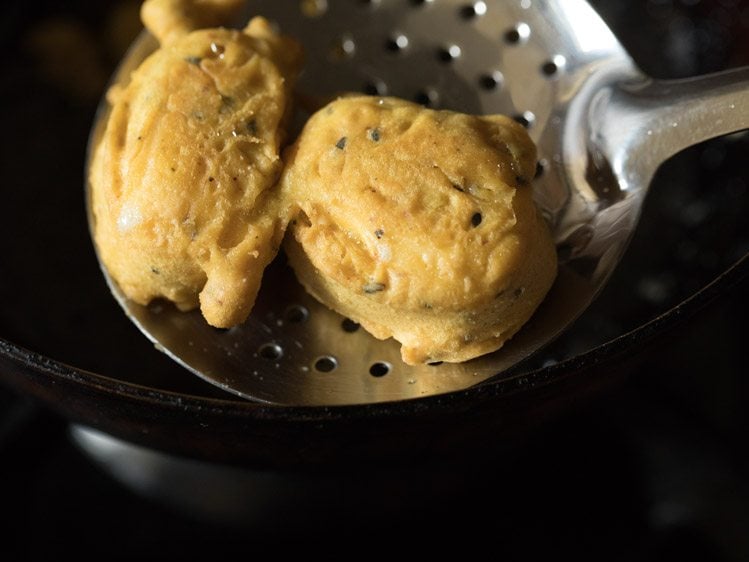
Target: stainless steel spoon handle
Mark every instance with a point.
(644, 124)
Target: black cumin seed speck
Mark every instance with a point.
(379, 232)
(374, 134)
(476, 219)
(341, 144)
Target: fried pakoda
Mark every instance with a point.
(419, 224)
(182, 180)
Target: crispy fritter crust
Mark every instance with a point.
(419, 224)
(182, 179)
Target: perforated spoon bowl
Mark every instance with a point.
(602, 128)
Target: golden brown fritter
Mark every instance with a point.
(419, 224)
(182, 179)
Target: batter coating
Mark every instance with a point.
(181, 180)
(419, 224)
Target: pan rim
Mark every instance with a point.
(34, 362)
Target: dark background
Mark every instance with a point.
(654, 469)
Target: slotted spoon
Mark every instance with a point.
(602, 128)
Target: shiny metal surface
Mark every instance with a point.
(602, 128)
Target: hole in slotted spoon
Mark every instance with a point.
(396, 43)
(540, 168)
(375, 88)
(448, 53)
(470, 11)
(553, 66)
(296, 314)
(518, 34)
(427, 97)
(491, 81)
(526, 118)
(343, 48)
(270, 351)
(379, 369)
(326, 364)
